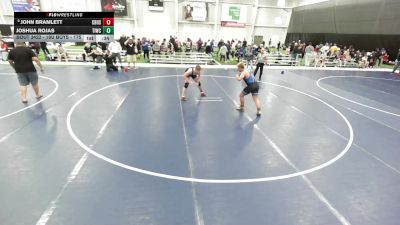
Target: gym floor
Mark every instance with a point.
(121, 148)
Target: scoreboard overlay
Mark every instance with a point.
(64, 26)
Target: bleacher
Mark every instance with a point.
(277, 59)
(182, 58)
(178, 58)
(76, 54)
(332, 62)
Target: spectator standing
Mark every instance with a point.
(208, 47)
(199, 44)
(233, 49)
(261, 60)
(146, 50)
(223, 51)
(189, 45)
(308, 53)
(378, 57)
(35, 46)
(228, 46)
(249, 55)
(131, 51)
(220, 43)
(278, 46)
(139, 46)
(115, 48)
(43, 46)
(397, 65)
(239, 52)
(122, 41)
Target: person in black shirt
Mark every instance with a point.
(397, 65)
(43, 46)
(35, 46)
(131, 51)
(122, 41)
(21, 59)
(88, 51)
(109, 62)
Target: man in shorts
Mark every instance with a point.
(189, 75)
(251, 86)
(21, 59)
(131, 51)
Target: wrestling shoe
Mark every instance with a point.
(240, 109)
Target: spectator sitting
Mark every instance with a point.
(324, 49)
(320, 59)
(345, 58)
(108, 57)
(333, 49)
(156, 48)
(61, 52)
(98, 55)
(385, 58)
(364, 61)
(87, 51)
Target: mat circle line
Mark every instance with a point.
(352, 101)
(36, 103)
(200, 180)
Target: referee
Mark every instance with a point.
(21, 59)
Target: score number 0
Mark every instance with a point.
(108, 21)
